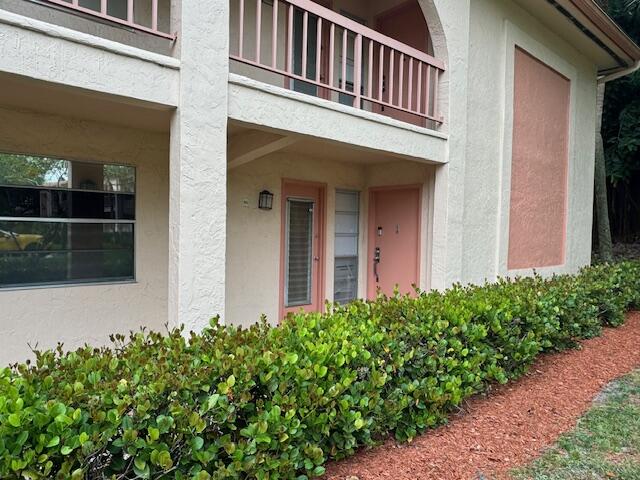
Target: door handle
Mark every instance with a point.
(376, 261)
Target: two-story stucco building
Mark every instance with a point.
(165, 161)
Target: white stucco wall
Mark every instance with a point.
(198, 167)
(64, 17)
(253, 238)
(82, 314)
(217, 262)
(498, 27)
(41, 51)
(257, 103)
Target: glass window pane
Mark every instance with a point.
(63, 250)
(31, 170)
(299, 252)
(118, 8)
(90, 4)
(347, 202)
(55, 252)
(346, 279)
(36, 171)
(346, 246)
(119, 178)
(346, 223)
(49, 203)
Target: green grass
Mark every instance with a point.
(604, 445)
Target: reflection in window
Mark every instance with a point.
(346, 246)
(65, 221)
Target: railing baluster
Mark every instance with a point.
(391, 74)
(381, 73)
(395, 84)
(100, 9)
(290, 40)
(258, 28)
(427, 91)
(419, 94)
(241, 30)
(318, 48)
(344, 58)
(436, 114)
(274, 34)
(401, 80)
(332, 52)
(305, 33)
(370, 79)
(130, 11)
(357, 70)
(410, 85)
(154, 13)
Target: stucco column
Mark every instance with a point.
(198, 165)
(449, 191)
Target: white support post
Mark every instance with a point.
(198, 166)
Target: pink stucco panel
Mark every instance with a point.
(538, 212)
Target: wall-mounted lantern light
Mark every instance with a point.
(265, 200)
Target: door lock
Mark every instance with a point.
(376, 261)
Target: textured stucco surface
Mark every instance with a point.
(498, 27)
(58, 15)
(537, 217)
(50, 53)
(465, 228)
(261, 104)
(82, 314)
(253, 243)
(198, 167)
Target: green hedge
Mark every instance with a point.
(273, 403)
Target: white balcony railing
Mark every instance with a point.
(325, 54)
(152, 16)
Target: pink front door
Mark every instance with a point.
(302, 247)
(394, 240)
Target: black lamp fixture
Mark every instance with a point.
(265, 200)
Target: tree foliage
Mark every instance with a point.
(621, 132)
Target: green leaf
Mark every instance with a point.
(197, 443)
(14, 420)
(154, 434)
(140, 463)
(66, 450)
(263, 438)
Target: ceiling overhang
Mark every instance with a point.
(590, 30)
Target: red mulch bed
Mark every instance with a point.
(510, 426)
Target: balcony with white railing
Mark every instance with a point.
(306, 47)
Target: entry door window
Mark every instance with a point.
(299, 252)
(346, 246)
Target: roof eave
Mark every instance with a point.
(608, 34)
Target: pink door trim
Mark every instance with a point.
(319, 276)
(371, 287)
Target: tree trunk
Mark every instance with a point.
(605, 248)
